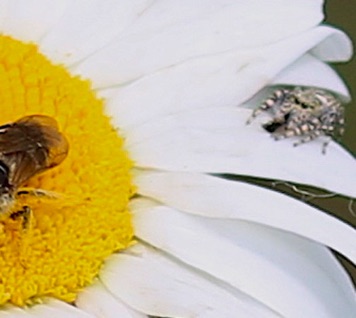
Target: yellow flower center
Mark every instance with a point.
(70, 235)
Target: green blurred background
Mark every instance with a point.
(342, 14)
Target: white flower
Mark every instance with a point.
(178, 78)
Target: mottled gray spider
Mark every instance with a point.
(306, 112)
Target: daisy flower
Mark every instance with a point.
(153, 97)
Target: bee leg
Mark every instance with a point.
(36, 193)
(25, 213)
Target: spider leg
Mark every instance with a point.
(334, 126)
(325, 144)
(309, 137)
(341, 123)
(276, 100)
(257, 112)
(299, 125)
(286, 133)
(292, 129)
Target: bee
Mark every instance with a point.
(305, 112)
(28, 146)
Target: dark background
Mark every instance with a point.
(342, 14)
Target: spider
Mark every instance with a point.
(305, 112)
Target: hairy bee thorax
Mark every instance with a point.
(7, 202)
(305, 112)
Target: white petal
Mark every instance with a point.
(220, 80)
(50, 308)
(9, 311)
(338, 47)
(89, 26)
(310, 71)
(153, 283)
(29, 20)
(272, 266)
(3, 11)
(167, 33)
(217, 140)
(219, 198)
(97, 300)
(305, 71)
(57, 309)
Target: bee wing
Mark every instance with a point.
(47, 137)
(31, 145)
(22, 167)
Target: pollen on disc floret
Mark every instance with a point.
(70, 235)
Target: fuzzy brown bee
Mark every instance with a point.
(28, 146)
(305, 112)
